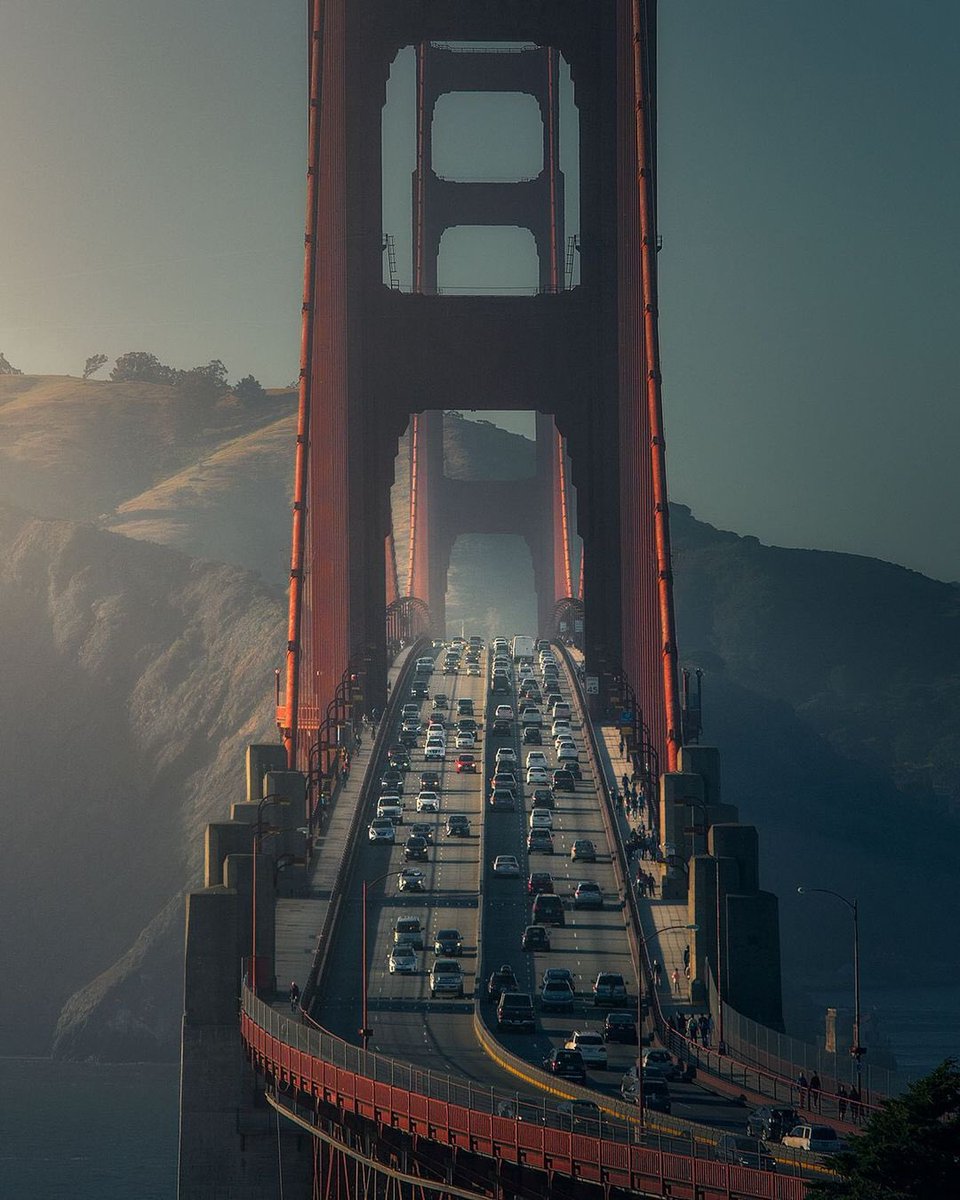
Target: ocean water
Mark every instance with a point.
(84, 1131)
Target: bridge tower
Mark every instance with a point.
(374, 357)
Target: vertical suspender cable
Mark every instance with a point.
(552, 166)
(290, 721)
(564, 515)
(414, 456)
(651, 344)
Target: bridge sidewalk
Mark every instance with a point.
(300, 919)
(657, 916)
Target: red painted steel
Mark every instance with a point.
(393, 580)
(651, 345)
(288, 716)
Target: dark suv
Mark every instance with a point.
(568, 1064)
(503, 979)
(771, 1124)
(515, 1011)
(743, 1152)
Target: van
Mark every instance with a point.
(548, 910)
(561, 711)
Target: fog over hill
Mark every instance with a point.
(132, 674)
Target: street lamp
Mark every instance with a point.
(643, 950)
(365, 1031)
(258, 836)
(856, 1050)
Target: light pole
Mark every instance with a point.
(365, 1031)
(856, 1050)
(643, 950)
(259, 834)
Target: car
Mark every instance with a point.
(423, 829)
(609, 988)
(535, 937)
(506, 864)
(415, 849)
(419, 692)
(451, 668)
(409, 930)
(771, 1123)
(515, 1011)
(591, 1045)
(541, 818)
(539, 882)
(532, 736)
(548, 909)
(583, 850)
(446, 977)
(506, 754)
(504, 779)
(465, 706)
(410, 737)
(411, 879)
(392, 807)
(619, 1026)
(821, 1139)
(540, 841)
(392, 781)
(503, 712)
(458, 825)
(657, 1061)
(536, 758)
(410, 710)
(430, 781)
(501, 728)
(536, 777)
(542, 797)
(563, 781)
(466, 763)
(382, 829)
(503, 979)
(465, 741)
(567, 1064)
(441, 700)
(562, 729)
(571, 765)
(448, 942)
(587, 894)
(557, 994)
(434, 751)
(467, 725)
(743, 1152)
(568, 753)
(656, 1094)
(582, 1116)
(402, 960)
(428, 802)
(503, 798)
(555, 973)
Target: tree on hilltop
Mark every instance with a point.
(6, 368)
(909, 1148)
(249, 390)
(140, 367)
(204, 384)
(93, 364)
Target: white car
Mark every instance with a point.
(382, 829)
(473, 669)
(506, 755)
(410, 880)
(559, 727)
(821, 1139)
(537, 777)
(428, 802)
(536, 758)
(568, 753)
(402, 961)
(506, 864)
(434, 751)
(466, 741)
(591, 1045)
(541, 818)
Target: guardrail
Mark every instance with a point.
(456, 1113)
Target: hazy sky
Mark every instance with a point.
(151, 197)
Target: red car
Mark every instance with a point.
(466, 762)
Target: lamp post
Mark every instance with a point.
(643, 951)
(365, 1031)
(258, 836)
(856, 1050)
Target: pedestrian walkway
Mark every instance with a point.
(299, 920)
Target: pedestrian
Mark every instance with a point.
(676, 980)
(815, 1091)
(705, 1029)
(693, 1028)
(842, 1102)
(294, 995)
(686, 961)
(651, 885)
(801, 1089)
(657, 973)
(621, 745)
(854, 1097)
(626, 783)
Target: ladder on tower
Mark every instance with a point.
(392, 263)
(572, 247)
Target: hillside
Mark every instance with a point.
(832, 685)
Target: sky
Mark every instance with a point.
(151, 197)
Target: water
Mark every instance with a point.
(85, 1131)
(922, 1024)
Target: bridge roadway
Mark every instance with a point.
(439, 1034)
